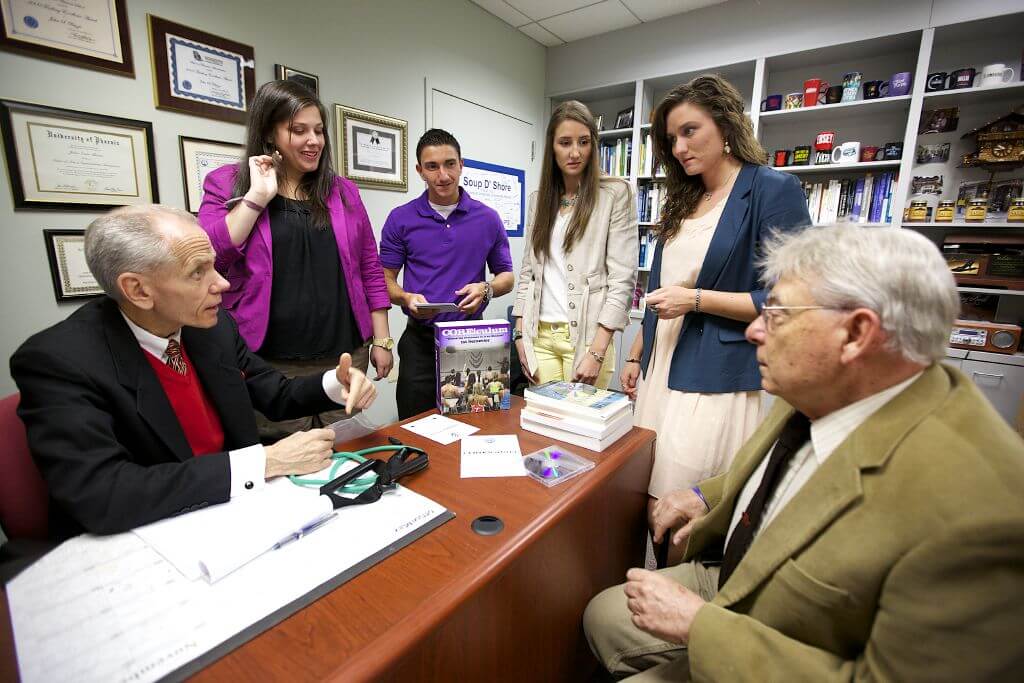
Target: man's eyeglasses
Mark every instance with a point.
(774, 315)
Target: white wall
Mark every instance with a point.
(370, 54)
(740, 30)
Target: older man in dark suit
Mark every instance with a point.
(139, 405)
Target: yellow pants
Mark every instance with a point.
(555, 356)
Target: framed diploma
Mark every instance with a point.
(64, 159)
(308, 80)
(198, 158)
(89, 33)
(200, 73)
(373, 150)
(71, 277)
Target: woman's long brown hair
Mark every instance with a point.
(278, 101)
(552, 185)
(724, 104)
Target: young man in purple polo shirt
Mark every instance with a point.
(445, 240)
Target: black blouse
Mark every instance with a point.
(310, 314)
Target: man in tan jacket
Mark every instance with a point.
(873, 527)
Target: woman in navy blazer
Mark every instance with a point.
(701, 384)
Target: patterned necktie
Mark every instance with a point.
(175, 359)
(793, 436)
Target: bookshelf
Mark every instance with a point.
(870, 122)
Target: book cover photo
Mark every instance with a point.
(472, 365)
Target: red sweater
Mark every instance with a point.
(197, 416)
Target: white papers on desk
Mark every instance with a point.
(441, 429)
(215, 541)
(110, 608)
(491, 455)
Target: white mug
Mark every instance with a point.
(846, 153)
(996, 74)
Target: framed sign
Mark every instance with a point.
(373, 150)
(200, 73)
(88, 33)
(65, 250)
(198, 158)
(65, 159)
(499, 187)
(286, 73)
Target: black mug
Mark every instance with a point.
(834, 94)
(875, 89)
(962, 78)
(802, 155)
(893, 151)
(936, 81)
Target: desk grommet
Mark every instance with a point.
(487, 525)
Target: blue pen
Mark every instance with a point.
(306, 530)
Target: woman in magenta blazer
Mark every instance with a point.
(295, 242)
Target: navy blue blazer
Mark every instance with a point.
(712, 355)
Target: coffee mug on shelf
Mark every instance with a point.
(868, 153)
(937, 80)
(893, 151)
(782, 157)
(821, 157)
(851, 86)
(846, 153)
(771, 103)
(875, 89)
(834, 95)
(802, 155)
(962, 78)
(899, 84)
(823, 141)
(814, 91)
(793, 100)
(995, 74)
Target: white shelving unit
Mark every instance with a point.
(836, 169)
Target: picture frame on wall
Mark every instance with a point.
(373, 149)
(198, 158)
(199, 73)
(73, 160)
(308, 80)
(65, 251)
(90, 33)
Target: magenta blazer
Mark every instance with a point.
(249, 268)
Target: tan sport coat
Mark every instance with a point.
(601, 271)
(901, 559)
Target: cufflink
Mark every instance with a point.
(249, 485)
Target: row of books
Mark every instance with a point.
(615, 157)
(860, 200)
(649, 199)
(646, 160)
(579, 414)
(647, 244)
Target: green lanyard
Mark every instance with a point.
(340, 458)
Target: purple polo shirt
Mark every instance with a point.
(441, 256)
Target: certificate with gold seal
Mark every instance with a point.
(64, 159)
(65, 250)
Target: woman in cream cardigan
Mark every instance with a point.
(576, 283)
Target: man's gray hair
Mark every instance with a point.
(127, 240)
(897, 273)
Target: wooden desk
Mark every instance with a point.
(457, 606)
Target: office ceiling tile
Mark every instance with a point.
(541, 35)
(649, 10)
(590, 21)
(504, 11)
(542, 9)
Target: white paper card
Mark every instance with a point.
(441, 429)
(351, 428)
(491, 455)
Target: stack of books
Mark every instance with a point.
(579, 414)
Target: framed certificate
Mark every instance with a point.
(65, 159)
(200, 73)
(373, 149)
(89, 33)
(71, 277)
(198, 158)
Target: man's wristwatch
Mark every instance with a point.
(488, 293)
(517, 335)
(387, 343)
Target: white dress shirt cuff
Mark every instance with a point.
(332, 387)
(248, 465)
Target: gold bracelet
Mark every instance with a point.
(600, 358)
